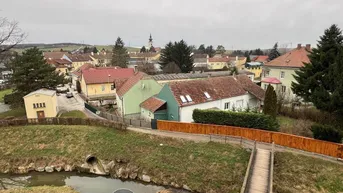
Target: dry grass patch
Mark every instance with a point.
(202, 166)
(299, 173)
(42, 189)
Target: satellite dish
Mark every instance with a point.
(123, 191)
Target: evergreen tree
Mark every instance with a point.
(152, 49)
(247, 55)
(220, 49)
(95, 50)
(31, 72)
(143, 49)
(270, 102)
(120, 56)
(179, 53)
(320, 80)
(274, 53)
(86, 49)
(202, 49)
(210, 51)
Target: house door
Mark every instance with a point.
(40, 114)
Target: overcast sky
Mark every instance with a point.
(237, 24)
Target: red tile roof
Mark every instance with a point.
(294, 58)
(58, 62)
(83, 67)
(80, 57)
(54, 55)
(218, 88)
(105, 75)
(152, 104)
(271, 80)
(129, 83)
(260, 59)
(250, 86)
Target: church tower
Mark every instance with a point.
(150, 42)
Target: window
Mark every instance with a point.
(34, 105)
(265, 86)
(37, 105)
(283, 88)
(113, 86)
(266, 73)
(43, 104)
(282, 74)
(239, 104)
(207, 95)
(189, 98)
(40, 105)
(103, 87)
(183, 99)
(227, 106)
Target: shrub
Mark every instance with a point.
(270, 102)
(239, 119)
(327, 133)
(311, 114)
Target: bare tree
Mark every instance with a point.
(148, 68)
(10, 34)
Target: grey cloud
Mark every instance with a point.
(238, 24)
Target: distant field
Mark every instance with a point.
(74, 47)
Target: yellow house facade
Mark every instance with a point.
(40, 104)
(254, 67)
(217, 63)
(100, 82)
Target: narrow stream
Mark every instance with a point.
(82, 183)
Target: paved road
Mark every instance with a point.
(69, 104)
(259, 181)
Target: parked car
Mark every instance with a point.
(69, 95)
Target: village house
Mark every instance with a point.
(76, 75)
(56, 55)
(200, 61)
(254, 67)
(218, 63)
(100, 82)
(154, 108)
(63, 66)
(131, 92)
(102, 58)
(179, 99)
(279, 72)
(79, 60)
(41, 103)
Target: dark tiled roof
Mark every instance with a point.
(129, 83)
(295, 58)
(80, 57)
(250, 86)
(217, 88)
(58, 62)
(179, 76)
(105, 75)
(142, 55)
(152, 104)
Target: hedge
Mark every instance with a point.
(239, 119)
(327, 133)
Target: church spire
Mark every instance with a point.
(150, 39)
(150, 42)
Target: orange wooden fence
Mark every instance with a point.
(283, 139)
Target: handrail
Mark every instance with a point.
(248, 172)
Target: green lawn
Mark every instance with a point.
(3, 93)
(204, 167)
(41, 189)
(298, 173)
(75, 114)
(19, 112)
(295, 126)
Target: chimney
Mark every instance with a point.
(92, 53)
(227, 56)
(308, 47)
(236, 58)
(299, 46)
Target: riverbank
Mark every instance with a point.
(202, 167)
(43, 189)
